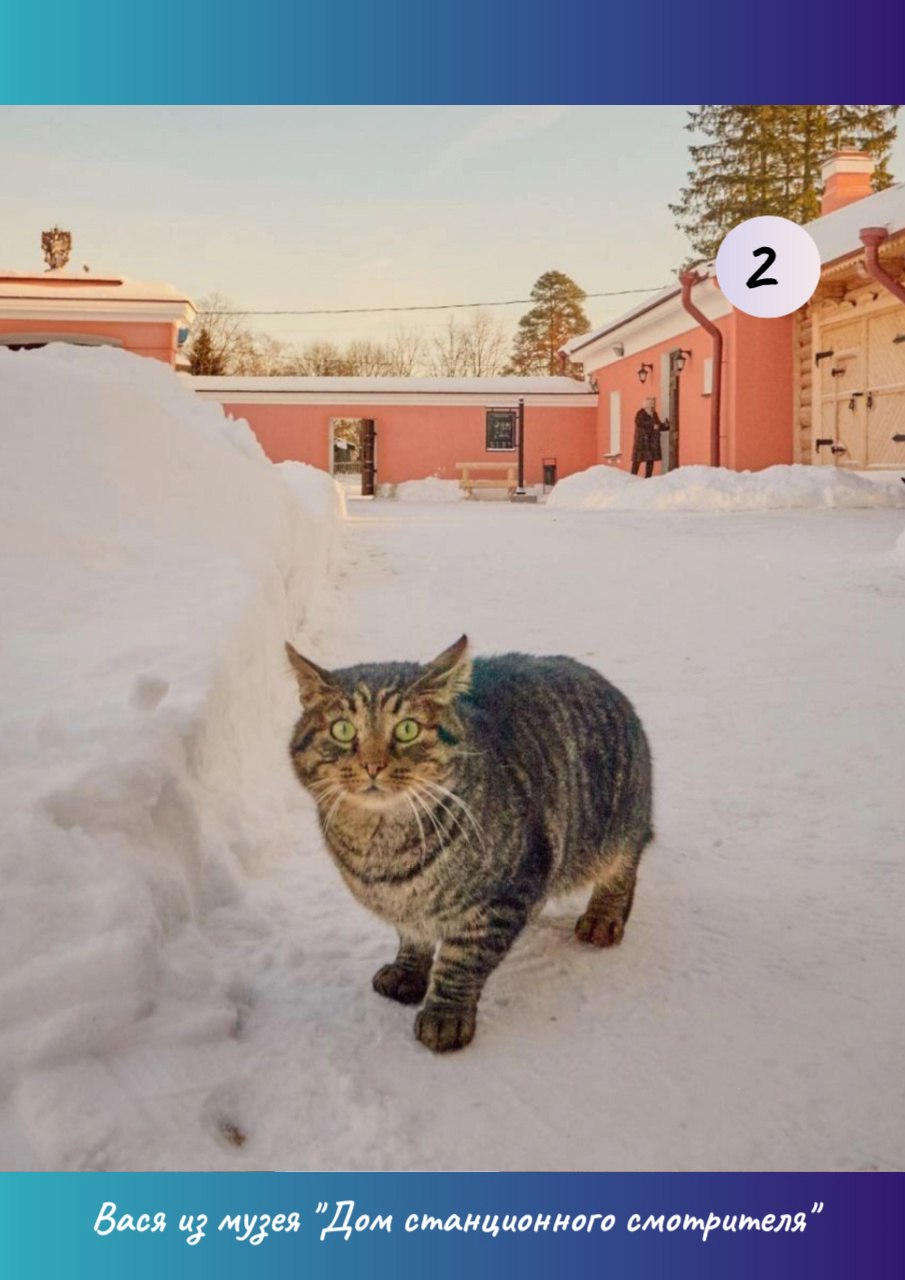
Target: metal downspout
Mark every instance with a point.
(688, 280)
(872, 238)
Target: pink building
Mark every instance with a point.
(90, 309)
(660, 350)
(422, 426)
(775, 407)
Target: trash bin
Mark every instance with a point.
(549, 473)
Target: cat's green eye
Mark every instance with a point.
(343, 730)
(406, 730)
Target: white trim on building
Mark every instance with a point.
(661, 318)
(67, 297)
(485, 392)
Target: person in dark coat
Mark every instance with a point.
(646, 447)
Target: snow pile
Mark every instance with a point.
(431, 489)
(595, 487)
(717, 489)
(153, 563)
(324, 501)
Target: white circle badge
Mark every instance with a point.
(768, 266)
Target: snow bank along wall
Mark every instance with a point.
(154, 562)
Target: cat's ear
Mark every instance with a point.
(313, 680)
(448, 674)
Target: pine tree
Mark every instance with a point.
(766, 160)
(556, 317)
(204, 361)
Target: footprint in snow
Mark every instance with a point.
(148, 692)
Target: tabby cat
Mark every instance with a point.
(456, 797)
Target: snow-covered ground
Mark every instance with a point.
(431, 489)
(186, 982)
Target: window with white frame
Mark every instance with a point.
(707, 388)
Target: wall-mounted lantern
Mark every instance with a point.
(680, 359)
(644, 371)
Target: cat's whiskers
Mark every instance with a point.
(436, 787)
(411, 805)
(328, 821)
(437, 803)
(418, 795)
(444, 871)
(322, 789)
(324, 792)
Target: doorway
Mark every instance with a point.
(353, 455)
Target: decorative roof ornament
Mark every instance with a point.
(57, 245)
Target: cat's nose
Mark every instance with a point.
(374, 769)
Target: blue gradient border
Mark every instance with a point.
(47, 1222)
(472, 51)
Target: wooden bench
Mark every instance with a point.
(469, 484)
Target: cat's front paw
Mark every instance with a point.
(599, 931)
(396, 982)
(443, 1029)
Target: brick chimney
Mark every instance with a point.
(846, 178)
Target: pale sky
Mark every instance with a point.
(295, 207)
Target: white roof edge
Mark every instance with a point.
(99, 286)
(836, 234)
(301, 384)
(650, 303)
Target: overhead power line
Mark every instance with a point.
(436, 306)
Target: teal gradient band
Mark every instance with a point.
(474, 51)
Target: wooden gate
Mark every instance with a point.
(861, 384)
(842, 424)
(885, 399)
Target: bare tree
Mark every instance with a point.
(473, 348)
(367, 359)
(404, 353)
(448, 357)
(267, 357)
(221, 342)
(227, 335)
(319, 360)
(485, 345)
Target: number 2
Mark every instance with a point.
(754, 281)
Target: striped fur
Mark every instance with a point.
(529, 777)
